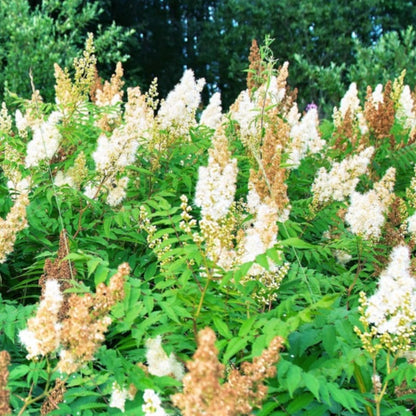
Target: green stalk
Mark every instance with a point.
(361, 385)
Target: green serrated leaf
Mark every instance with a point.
(221, 327)
(296, 242)
(294, 378)
(19, 372)
(92, 265)
(299, 403)
(234, 346)
(246, 326)
(101, 274)
(312, 384)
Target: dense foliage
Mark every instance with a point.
(34, 37)
(140, 236)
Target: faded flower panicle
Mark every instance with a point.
(265, 117)
(15, 221)
(87, 320)
(384, 187)
(379, 111)
(152, 404)
(341, 180)
(389, 315)
(212, 115)
(4, 392)
(266, 135)
(42, 335)
(55, 396)
(177, 113)
(366, 213)
(159, 363)
(268, 178)
(60, 270)
(204, 395)
(78, 330)
(255, 74)
(119, 396)
(45, 141)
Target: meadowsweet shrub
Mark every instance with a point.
(159, 258)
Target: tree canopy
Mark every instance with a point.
(326, 43)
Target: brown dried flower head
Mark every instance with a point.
(87, 320)
(255, 75)
(61, 270)
(55, 396)
(204, 395)
(4, 392)
(108, 95)
(15, 222)
(380, 116)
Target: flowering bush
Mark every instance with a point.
(157, 259)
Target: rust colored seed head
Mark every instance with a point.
(204, 395)
(4, 374)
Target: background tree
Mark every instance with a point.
(320, 39)
(34, 35)
(328, 44)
